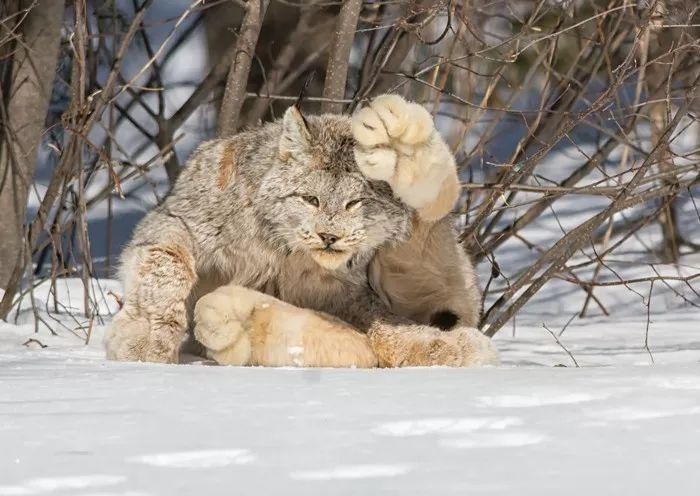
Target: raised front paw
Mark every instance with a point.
(397, 143)
(387, 128)
(390, 118)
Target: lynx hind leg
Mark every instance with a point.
(423, 346)
(240, 326)
(397, 143)
(153, 322)
(428, 278)
(477, 348)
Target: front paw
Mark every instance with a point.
(389, 119)
(218, 322)
(397, 143)
(134, 339)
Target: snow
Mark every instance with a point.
(196, 459)
(627, 421)
(352, 472)
(75, 424)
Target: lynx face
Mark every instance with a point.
(318, 201)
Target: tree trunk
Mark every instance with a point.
(337, 70)
(670, 245)
(237, 80)
(25, 99)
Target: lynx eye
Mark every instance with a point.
(352, 204)
(311, 200)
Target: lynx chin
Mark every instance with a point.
(311, 241)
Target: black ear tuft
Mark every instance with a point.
(302, 94)
(444, 319)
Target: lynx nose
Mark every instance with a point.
(328, 239)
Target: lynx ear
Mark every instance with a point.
(295, 133)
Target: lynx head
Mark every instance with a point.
(317, 200)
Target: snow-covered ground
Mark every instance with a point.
(627, 421)
(74, 424)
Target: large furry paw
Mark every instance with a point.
(421, 346)
(476, 349)
(239, 326)
(397, 143)
(221, 319)
(218, 321)
(132, 338)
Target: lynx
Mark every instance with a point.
(320, 241)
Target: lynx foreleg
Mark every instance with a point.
(221, 320)
(397, 142)
(241, 326)
(153, 322)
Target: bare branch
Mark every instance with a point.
(237, 80)
(337, 70)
